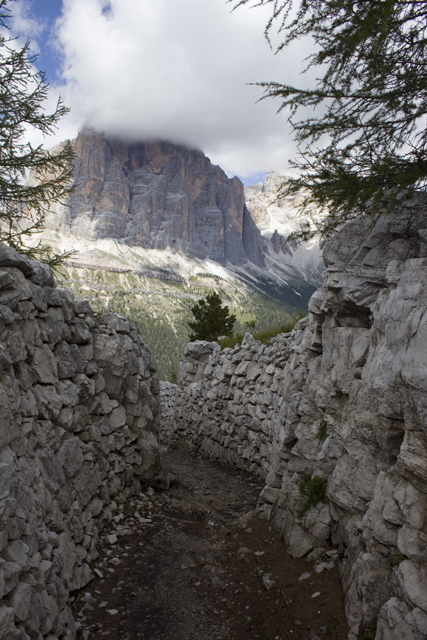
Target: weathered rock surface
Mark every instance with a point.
(277, 219)
(157, 195)
(79, 408)
(166, 433)
(343, 398)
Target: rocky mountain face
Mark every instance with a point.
(157, 195)
(276, 220)
(79, 410)
(334, 417)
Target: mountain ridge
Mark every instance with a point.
(157, 195)
(277, 218)
(154, 267)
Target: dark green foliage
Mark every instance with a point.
(267, 334)
(312, 488)
(322, 433)
(371, 100)
(173, 375)
(211, 319)
(397, 559)
(231, 341)
(164, 341)
(266, 314)
(24, 205)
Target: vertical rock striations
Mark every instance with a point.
(340, 406)
(157, 195)
(277, 219)
(79, 409)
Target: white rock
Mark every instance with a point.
(267, 581)
(304, 576)
(320, 567)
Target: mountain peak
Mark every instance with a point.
(158, 195)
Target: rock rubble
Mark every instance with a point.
(334, 418)
(79, 401)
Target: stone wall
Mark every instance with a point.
(343, 399)
(166, 433)
(79, 411)
(228, 399)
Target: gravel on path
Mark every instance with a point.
(196, 563)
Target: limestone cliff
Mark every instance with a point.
(277, 219)
(79, 409)
(344, 399)
(157, 195)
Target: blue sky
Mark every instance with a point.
(36, 22)
(169, 69)
(47, 12)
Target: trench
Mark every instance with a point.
(194, 562)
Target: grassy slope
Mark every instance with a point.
(162, 309)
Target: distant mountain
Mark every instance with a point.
(155, 226)
(157, 195)
(276, 220)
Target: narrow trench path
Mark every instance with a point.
(195, 563)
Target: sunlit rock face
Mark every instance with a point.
(157, 195)
(277, 218)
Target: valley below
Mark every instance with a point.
(153, 227)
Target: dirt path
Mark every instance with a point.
(194, 563)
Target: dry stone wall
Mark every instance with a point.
(227, 401)
(79, 411)
(166, 433)
(341, 404)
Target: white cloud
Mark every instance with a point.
(23, 22)
(178, 70)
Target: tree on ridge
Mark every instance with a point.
(211, 319)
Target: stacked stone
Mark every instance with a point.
(228, 398)
(79, 402)
(168, 392)
(347, 416)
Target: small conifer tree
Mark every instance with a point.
(211, 319)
